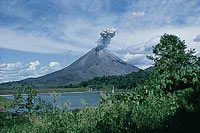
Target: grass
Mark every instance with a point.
(4, 101)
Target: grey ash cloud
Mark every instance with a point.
(104, 40)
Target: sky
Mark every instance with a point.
(38, 37)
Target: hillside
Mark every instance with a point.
(128, 81)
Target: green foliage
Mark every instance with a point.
(175, 67)
(189, 99)
(14, 85)
(8, 121)
(84, 84)
(120, 112)
(128, 81)
(4, 102)
(26, 100)
(22, 102)
(155, 112)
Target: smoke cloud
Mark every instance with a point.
(104, 40)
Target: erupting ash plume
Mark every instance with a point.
(104, 40)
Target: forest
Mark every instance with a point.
(121, 82)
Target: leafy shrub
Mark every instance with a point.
(26, 100)
(155, 112)
(120, 112)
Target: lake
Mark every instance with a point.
(92, 98)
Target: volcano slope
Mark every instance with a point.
(95, 63)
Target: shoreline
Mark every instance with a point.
(47, 93)
(60, 92)
(5, 95)
(57, 90)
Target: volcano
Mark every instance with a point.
(95, 63)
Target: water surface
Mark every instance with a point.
(91, 98)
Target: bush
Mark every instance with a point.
(155, 113)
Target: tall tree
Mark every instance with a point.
(176, 67)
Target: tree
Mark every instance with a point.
(175, 67)
(26, 100)
(84, 84)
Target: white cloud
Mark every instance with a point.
(18, 71)
(54, 65)
(125, 39)
(33, 65)
(44, 70)
(143, 48)
(33, 43)
(197, 39)
(12, 67)
(138, 60)
(136, 54)
(138, 14)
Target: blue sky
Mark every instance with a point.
(41, 36)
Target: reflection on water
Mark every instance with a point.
(75, 99)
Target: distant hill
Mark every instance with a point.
(95, 63)
(128, 81)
